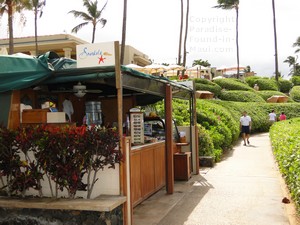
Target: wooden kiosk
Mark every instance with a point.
(145, 168)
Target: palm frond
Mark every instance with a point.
(78, 27)
(102, 21)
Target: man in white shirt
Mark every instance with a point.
(272, 117)
(245, 125)
(68, 108)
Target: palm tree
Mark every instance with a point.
(201, 63)
(186, 32)
(180, 34)
(93, 15)
(123, 32)
(37, 6)
(228, 5)
(11, 7)
(275, 41)
(292, 61)
(297, 44)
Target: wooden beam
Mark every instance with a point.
(14, 112)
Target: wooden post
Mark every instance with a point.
(124, 175)
(194, 114)
(126, 181)
(14, 112)
(169, 141)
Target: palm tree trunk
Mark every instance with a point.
(10, 27)
(275, 41)
(94, 31)
(237, 42)
(186, 33)
(123, 32)
(180, 35)
(35, 31)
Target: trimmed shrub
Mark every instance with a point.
(206, 146)
(295, 93)
(259, 112)
(267, 94)
(222, 114)
(285, 85)
(296, 80)
(286, 146)
(267, 84)
(241, 96)
(252, 80)
(232, 84)
(206, 85)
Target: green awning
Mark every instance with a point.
(21, 71)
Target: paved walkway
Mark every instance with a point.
(245, 188)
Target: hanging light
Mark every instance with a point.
(79, 93)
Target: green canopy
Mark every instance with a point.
(21, 71)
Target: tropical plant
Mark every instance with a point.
(201, 63)
(228, 5)
(93, 16)
(292, 61)
(247, 69)
(64, 155)
(37, 6)
(297, 44)
(11, 7)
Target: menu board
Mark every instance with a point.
(137, 127)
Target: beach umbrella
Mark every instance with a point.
(155, 68)
(135, 67)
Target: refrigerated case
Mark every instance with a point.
(155, 127)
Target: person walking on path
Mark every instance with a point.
(282, 116)
(245, 125)
(272, 117)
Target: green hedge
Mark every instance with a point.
(259, 112)
(285, 85)
(206, 85)
(296, 80)
(232, 84)
(295, 93)
(267, 84)
(206, 145)
(267, 94)
(241, 96)
(252, 80)
(219, 120)
(286, 146)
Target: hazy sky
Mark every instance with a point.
(153, 28)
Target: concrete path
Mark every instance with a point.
(245, 188)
